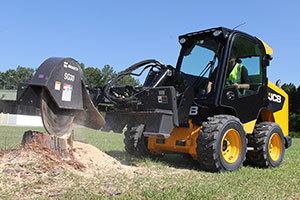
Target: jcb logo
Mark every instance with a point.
(274, 97)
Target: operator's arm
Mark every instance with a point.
(211, 79)
(208, 89)
(244, 80)
(242, 86)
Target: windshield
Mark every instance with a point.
(198, 56)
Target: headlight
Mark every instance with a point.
(182, 40)
(217, 33)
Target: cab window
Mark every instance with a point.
(245, 67)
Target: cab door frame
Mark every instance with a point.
(246, 108)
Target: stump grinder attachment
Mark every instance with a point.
(58, 89)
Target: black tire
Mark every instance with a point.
(212, 145)
(265, 153)
(137, 145)
(129, 140)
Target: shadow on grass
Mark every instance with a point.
(179, 161)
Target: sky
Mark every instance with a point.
(121, 33)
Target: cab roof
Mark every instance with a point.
(225, 32)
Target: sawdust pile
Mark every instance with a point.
(86, 161)
(36, 171)
(97, 161)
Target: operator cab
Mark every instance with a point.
(205, 64)
(199, 60)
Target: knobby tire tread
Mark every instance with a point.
(140, 149)
(258, 157)
(207, 147)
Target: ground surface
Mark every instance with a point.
(102, 169)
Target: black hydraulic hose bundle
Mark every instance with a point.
(128, 71)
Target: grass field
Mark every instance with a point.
(171, 177)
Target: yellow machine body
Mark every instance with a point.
(187, 136)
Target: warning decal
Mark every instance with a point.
(57, 85)
(67, 92)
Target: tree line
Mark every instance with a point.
(96, 77)
(9, 79)
(294, 106)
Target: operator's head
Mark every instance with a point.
(232, 60)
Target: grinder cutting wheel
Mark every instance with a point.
(55, 121)
(58, 88)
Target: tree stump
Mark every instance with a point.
(62, 146)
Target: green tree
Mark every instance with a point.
(2, 80)
(11, 78)
(82, 66)
(98, 78)
(291, 90)
(294, 122)
(129, 80)
(25, 74)
(294, 106)
(92, 76)
(297, 109)
(108, 73)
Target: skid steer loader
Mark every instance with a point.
(193, 108)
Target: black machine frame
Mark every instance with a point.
(217, 103)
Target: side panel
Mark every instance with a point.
(279, 105)
(182, 140)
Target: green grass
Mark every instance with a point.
(295, 134)
(171, 177)
(11, 137)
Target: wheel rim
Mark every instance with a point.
(231, 145)
(275, 147)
